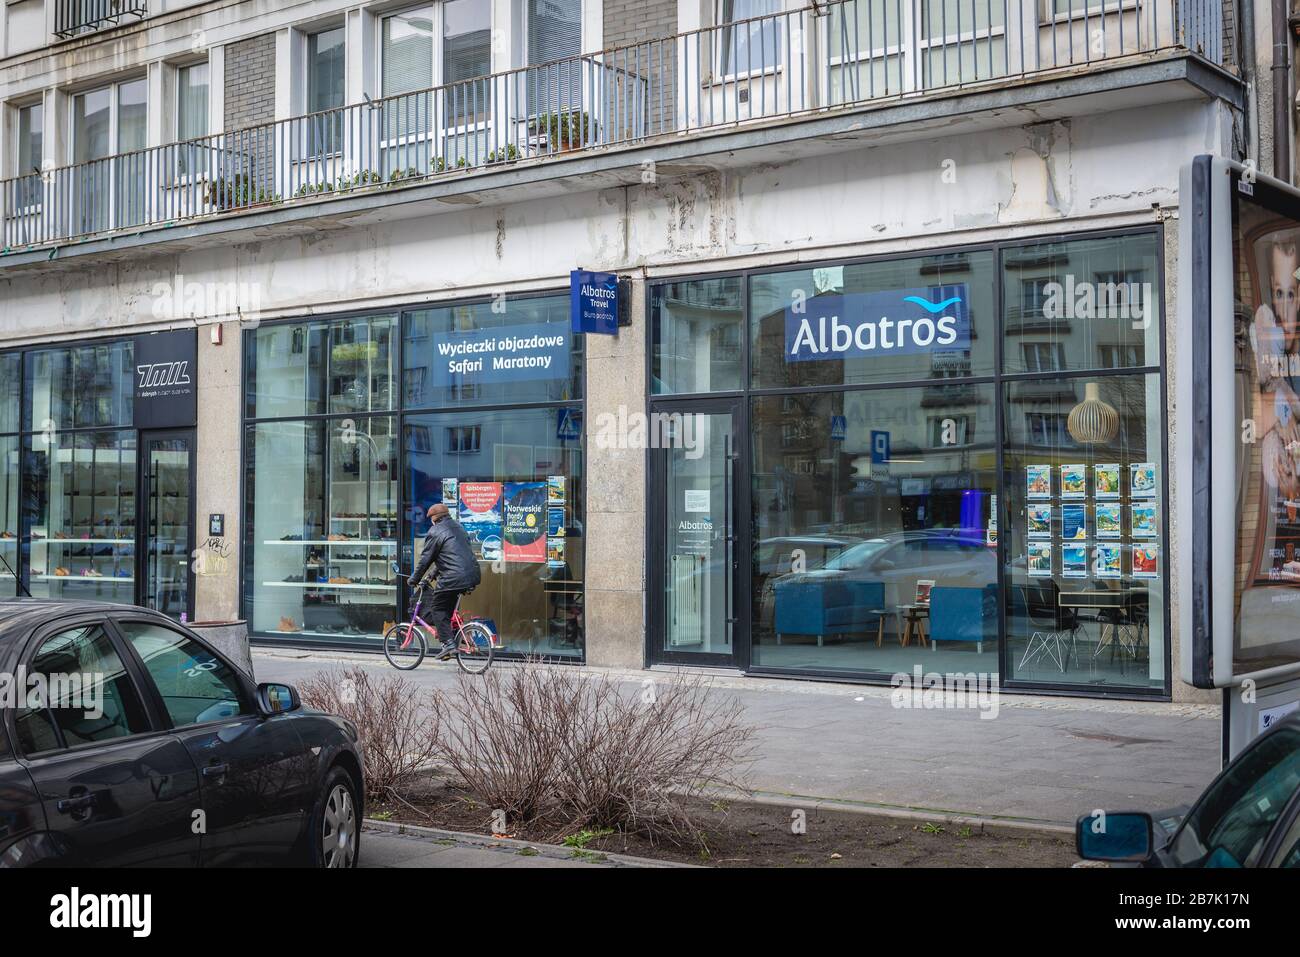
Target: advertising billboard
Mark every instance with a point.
(1238, 419)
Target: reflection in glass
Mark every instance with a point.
(1085, 579)
(697, 328)
(322, 527)
(875, 530)
(80, 387)
(1082, 304)
(518, 489)
(9, 485)
(309, 368)
(79, 509)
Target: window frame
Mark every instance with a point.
(180, 175)
(724, 42)
(15, 158)
(301, 89)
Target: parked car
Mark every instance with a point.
(1249, 816)
(151, 748)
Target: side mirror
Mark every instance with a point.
(273, 699)
(1120, 836)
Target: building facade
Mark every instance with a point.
(894, 392)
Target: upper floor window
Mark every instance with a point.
(326, 59)
(192, 101)
(750, 47)
(406, 51)
(31, 128)
(111, 119)
(466, 40)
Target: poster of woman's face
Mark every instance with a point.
(1270, 248)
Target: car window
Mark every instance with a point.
(1288, 853)
(1230, 824)
(195, 685)
(87, 696)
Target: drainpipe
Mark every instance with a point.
(1246, 54)
(1281, 92)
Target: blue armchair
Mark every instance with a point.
(829, 607)
(963, 614)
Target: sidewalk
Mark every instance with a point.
(398, 845)
(1042, 759)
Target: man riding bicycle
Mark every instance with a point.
(448, 553)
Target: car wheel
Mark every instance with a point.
(336, 826)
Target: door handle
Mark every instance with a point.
(70, 805)
(215, 770)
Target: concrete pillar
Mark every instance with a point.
(217, 478)
(616, 480)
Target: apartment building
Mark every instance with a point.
(893, 389)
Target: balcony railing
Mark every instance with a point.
(75, 17)
(829, 57)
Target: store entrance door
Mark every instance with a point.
(699, 568)
(167, 522)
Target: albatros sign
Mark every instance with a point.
(863, 325)
(166, 380)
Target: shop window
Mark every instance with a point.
(1090, 304)
(80, 512)
(510, 350)
(1084, 530)
(697, 327)
(897, 506)
(908, 319)
(10, 386)
(79, 387)
(321, 520)
(514, 479)
(314, 368)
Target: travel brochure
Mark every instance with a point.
(512, 521)
(1102, 559)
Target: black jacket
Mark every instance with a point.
(447, 550)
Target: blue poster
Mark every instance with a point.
(898, 322)
(1073, 523)
(503, 354)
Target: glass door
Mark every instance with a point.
(696, 616)
(167, 490)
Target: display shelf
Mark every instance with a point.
(83, 541)
(326, 585)
(355, 542)
(94, 579)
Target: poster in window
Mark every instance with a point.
(480, 514)
(1074, 561)
(1038, 481)
(1110, 521)
(1105, 561)
(1073, 523)
(1142, 480)
(525, 521)
(1074, 481)
(1040, 520)
(450, 495)
(1106, 481)
(555, 552)
(555, 521)
(555, 490)
(1146, 561)
(1040, 560)
(1144, 521)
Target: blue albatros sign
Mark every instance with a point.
(593, 301)
(878, 324)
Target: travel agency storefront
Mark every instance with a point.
(952, 460)
(355, 424)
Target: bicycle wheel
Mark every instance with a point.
(474, 648)
(404, 646)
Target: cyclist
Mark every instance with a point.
(448, 555)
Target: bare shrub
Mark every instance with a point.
(398, 726)
(560, 749)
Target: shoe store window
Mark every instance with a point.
(10, 471)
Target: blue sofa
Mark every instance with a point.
(963, 614)
(828, 608)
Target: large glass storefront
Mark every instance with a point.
(356, 425)
(951, 461)
(71, 477)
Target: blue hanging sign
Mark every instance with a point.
(894, 323)
(593, 301)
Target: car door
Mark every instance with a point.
(116, 789)
(254, 772)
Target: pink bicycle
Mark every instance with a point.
(405, 644)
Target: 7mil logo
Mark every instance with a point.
(156, 375)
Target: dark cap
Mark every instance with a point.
(437, 512)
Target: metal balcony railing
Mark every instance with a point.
(75, 17)
(828, 57)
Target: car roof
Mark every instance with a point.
(19, 615)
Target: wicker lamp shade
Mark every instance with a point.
(1093, 421)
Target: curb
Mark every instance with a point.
(982, 823)
(552, 851)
